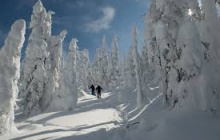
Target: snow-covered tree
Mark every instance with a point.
(124, 71)
(138, 71)
(100, 65)
(90, 78)
(69, 90)
(86, 62)
(95, 67)
(9, 75)
(54, 67)
(103, 60)
(165, 18)
(35, 78)
(184, 41)
(147, 72)
(129, 70)
(88, 66)
(209, 29)
(113, 66)
(82, 69)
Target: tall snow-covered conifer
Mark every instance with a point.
(54, 68)
(113, 66)
(9, 75)
(35, 74)
(82, 68)
(209, 29)
(138, 70)
(129, 71)
(147, 72)
(69, 86)
(95, 66)
(103, 67)
(100, 65)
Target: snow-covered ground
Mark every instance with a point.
(160, 123)
(115, 118)
(92, 119)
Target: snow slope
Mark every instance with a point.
(157, 122)
(92, 119)
(112, 118)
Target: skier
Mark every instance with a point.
(99, 89)
(92, 87)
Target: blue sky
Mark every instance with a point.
(86, 20)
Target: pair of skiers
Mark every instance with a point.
(98, 89)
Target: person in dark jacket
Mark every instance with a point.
(98, 89)
(92, 87)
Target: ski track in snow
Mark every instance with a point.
(92, 119)
(144, 108)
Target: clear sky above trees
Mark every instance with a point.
(87, 20)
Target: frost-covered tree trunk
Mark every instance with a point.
(147, 72)
(209, 29)
(159, 38)
(184, 85)
(54, 68)
(86, 68)
(121, 67)
(138, 70)
(82, 69)
(129, 71)
(95, 67)
(35, 77)
(79, 71)
(100, 65)
(113, 67)
(9, 75)
(90, 78)
(103, 67)
(153, 50)
(69, 86)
